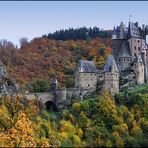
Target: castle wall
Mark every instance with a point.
(124, 63)
(135, 46)
(43, 97)
(100, 77)
(77, 92)
(139, 71)
(111, 82)
(86, 80)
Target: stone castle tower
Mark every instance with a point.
(139, 70)
(129, 62)
(111, 76)
(86, 75)
(130, 51)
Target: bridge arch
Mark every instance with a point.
(50, 106)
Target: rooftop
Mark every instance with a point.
(110, 65)
(87, 66)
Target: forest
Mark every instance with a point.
(100, 120)
(82, 33)
(42, 59)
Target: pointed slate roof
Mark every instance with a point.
(116, 46)
(124, 50)
(114, 31)
(110, 65)
(87, 66)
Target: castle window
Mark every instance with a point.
(88, 85)
(138, 41)
(135, 47)
(138, 48)
(142, 69)
(124, 59)
(100, 76)
(119, 60)
(86, 79)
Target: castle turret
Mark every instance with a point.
(134, 39)
(53, 85)
(123, 59)
(114, 34)
(121, 31)
(86, 75)
(139, 69)
(111, 76)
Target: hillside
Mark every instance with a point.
(44, 58)
(98, 121)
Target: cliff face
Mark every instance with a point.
(6, 84)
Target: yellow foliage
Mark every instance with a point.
(76, 107)
(43, 142)
(21, 134)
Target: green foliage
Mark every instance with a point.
(38, 86)
(102, 121)
(102, 50)
(69, 82)
(79, 33)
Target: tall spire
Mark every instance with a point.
(114, 66)
(121, 31)
(110, 65)
(114, 33)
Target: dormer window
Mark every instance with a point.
(81, 69)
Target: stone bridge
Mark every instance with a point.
(59, 98)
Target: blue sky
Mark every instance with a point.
(33, 19)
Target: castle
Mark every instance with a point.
(128, 64)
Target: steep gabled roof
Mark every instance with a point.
(124, 51)
(87, 66)
(116, 45)
(114, 31)
(133, 30)
(110, 65)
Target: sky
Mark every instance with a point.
(35, 18)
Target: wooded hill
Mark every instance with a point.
(82, 33)
(44, 58)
